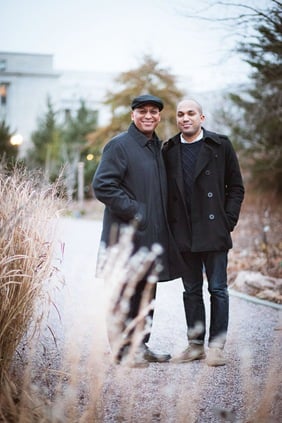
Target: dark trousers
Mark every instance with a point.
(215, 266)
(135, 302)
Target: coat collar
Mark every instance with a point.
(208, 135)
(139, 137)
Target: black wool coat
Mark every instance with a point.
(131, 182)
(217, 195)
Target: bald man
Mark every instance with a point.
(205, 192)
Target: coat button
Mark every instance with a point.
(207, 172)
(210, 194)
(211, 216)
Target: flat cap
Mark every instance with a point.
(147, 99)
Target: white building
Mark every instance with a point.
(26, 82)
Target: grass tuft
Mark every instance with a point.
(28, 210)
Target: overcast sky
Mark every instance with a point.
(114, 35)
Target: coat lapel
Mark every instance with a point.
(177, 167)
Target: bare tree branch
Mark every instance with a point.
(241, 18)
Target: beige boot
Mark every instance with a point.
(191, 353)
(215, 357)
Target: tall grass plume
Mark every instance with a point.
(28, 207)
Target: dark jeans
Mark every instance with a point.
(136, 301)
(215, 266)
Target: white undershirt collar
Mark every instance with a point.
(199, 137)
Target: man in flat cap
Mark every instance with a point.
(131, 182)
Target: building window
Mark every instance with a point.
(3, 94)
(3, 65)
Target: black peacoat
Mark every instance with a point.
(217, 195)
(131, 181)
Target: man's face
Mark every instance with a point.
(146, 118)
(189, 119)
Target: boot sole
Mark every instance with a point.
(188, 360)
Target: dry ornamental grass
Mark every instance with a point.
(28, 207)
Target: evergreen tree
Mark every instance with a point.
(259, 124)
(76, 129)
(45, 152)
(8, 152)
(75, 145)
(58, 148)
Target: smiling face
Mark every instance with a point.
(146, 118)
(189, 119)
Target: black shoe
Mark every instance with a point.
(137, 360)
(142, 358)
(153, 357)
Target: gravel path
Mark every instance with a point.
(247, 389)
